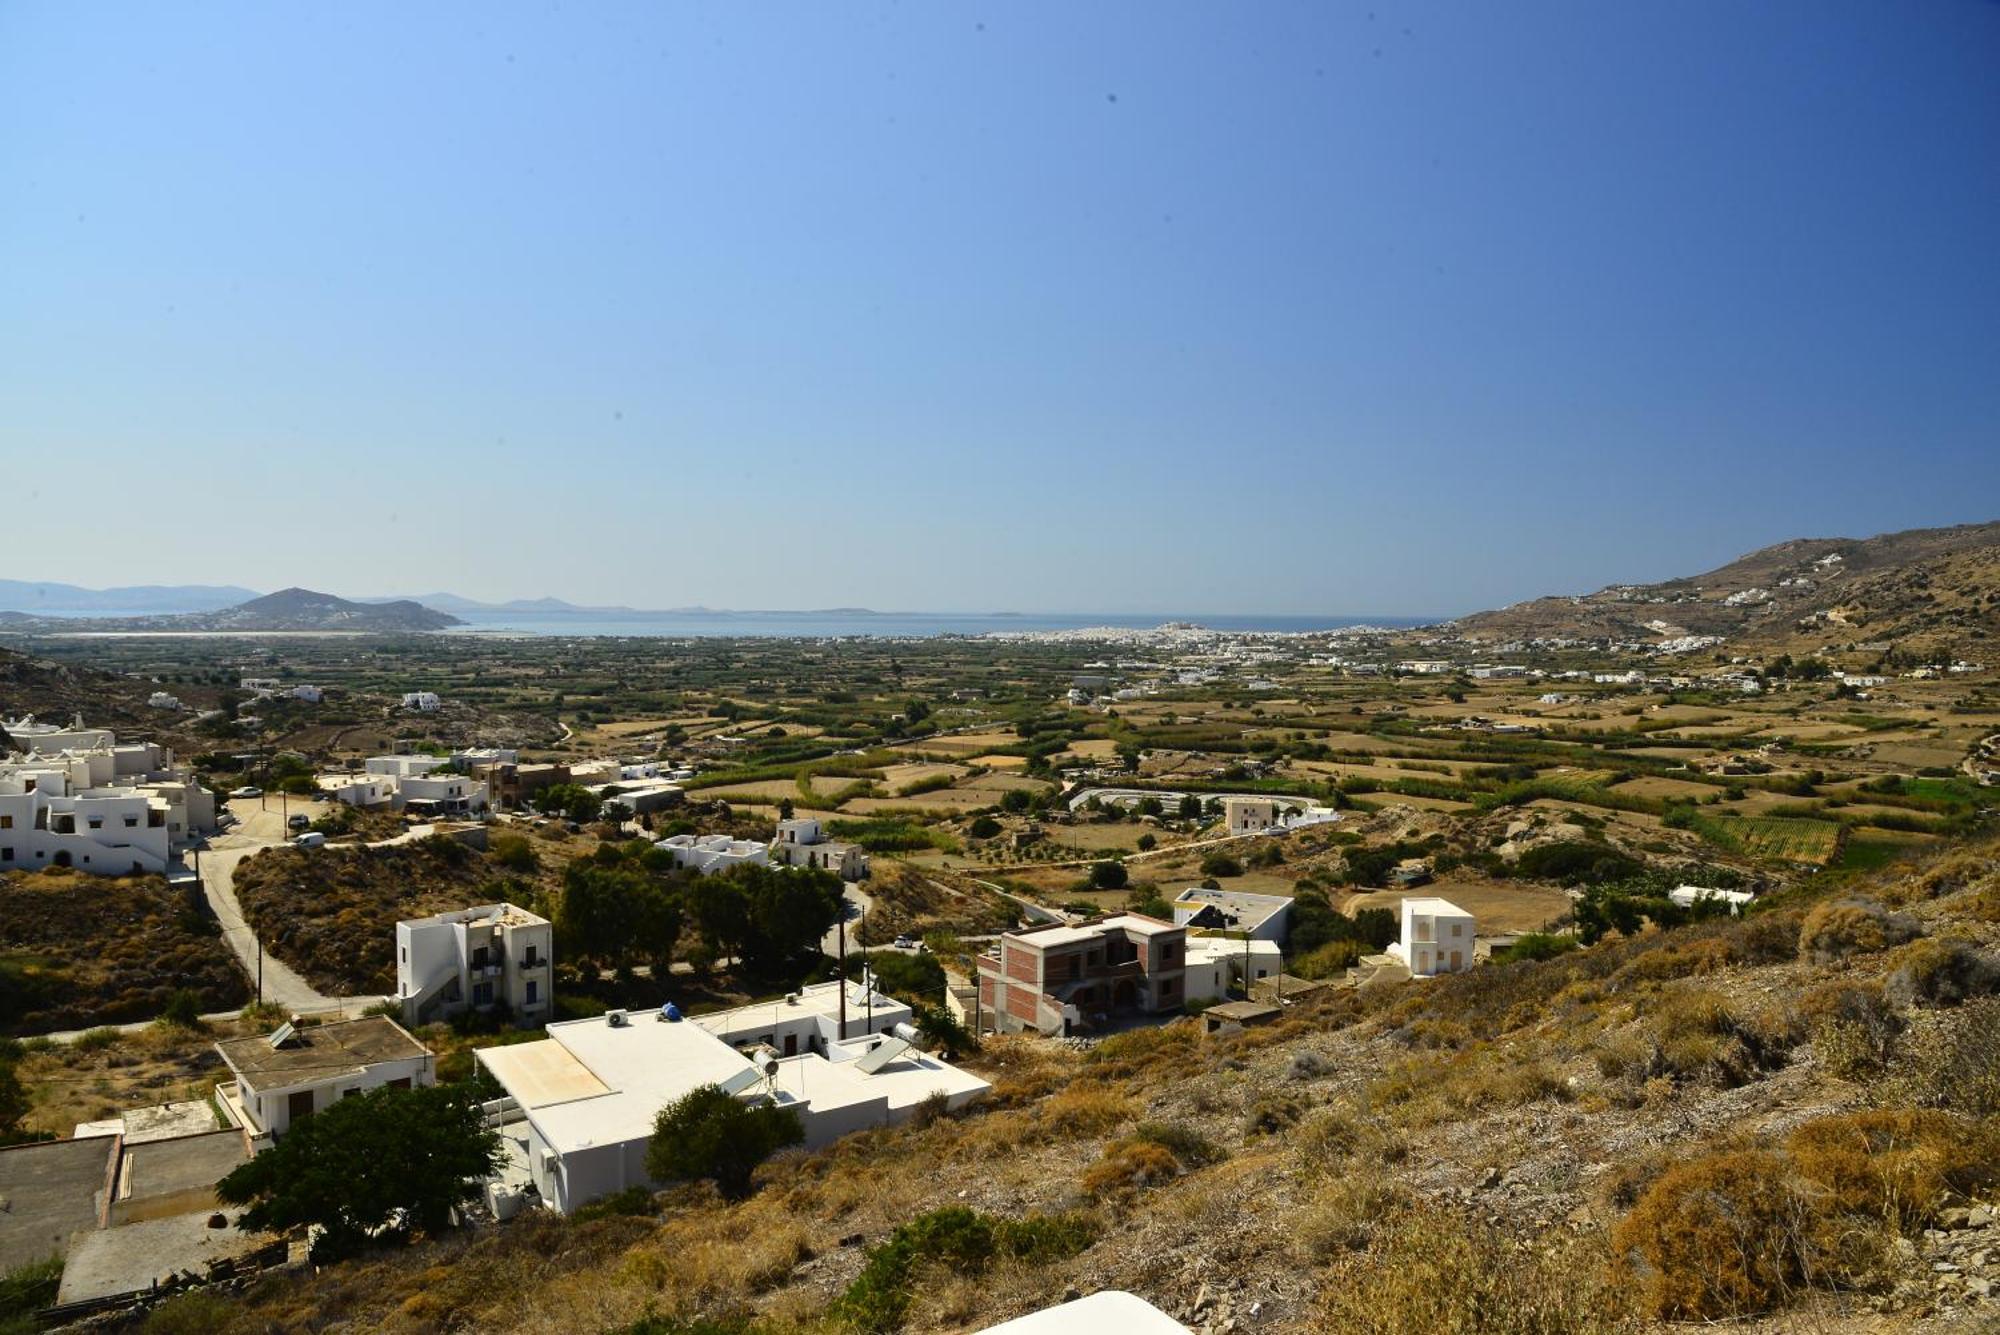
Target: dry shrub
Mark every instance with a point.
(1955, 1062)
(1421, 1092)
(1427, 1270)
(1272, 1113)
(1340, 1133)
(1838, 928)
(1900, 1165)
(1084, 1109)
(1946, 972)
(1149, 1050)
(1341, 1216)
(1853, 1028)
(1725, 1235)
(1128, 1167)
(1739, 1232)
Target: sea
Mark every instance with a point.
(889, 625)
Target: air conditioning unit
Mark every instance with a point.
(616, 1019)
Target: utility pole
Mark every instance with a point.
(260, 971)
(843, 968)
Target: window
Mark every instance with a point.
(6, 854)
(482, 994)
(131, 822)
(6, 822)
(96, 822)
(532, 998)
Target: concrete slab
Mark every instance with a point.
(105, 1263)
(170, 1177)
(48, 1192)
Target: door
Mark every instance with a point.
(791, 1045)
(299, 1105)
(1457, 961)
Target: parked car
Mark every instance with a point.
(906, 943)
(299, 822)
(310, 839)
(247, 790)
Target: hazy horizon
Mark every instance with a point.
(1386, 309)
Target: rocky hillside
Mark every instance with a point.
(58, 692)
(1785, 1121)
(79, 950)
(1928, 591)
(285, 610)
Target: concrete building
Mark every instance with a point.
(580, 1104)
(441, 794)
(78, 797)
(284, 1077)
(44, 823)
(801, 843)
(1436, 937)
(1248, 815)
(1216, 964)
(358, 789)
(511, 785)
(1687, 896)
(474, 960)
(424, 702)
(404, 766)
(1061, 978)
(711, 853)
(1262, 917)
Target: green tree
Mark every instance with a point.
(1108, 876)
(1190, 807)
(1220, 864)
(709, 1134)
(395, 1159)
(984, 827)
(789, 912)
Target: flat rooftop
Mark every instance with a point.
(902, 1084)
(1433, 905)
(1112, 1310)
(504, 915)
(819, 1000)
(593, 1083)
(52, 1190)
(320, 1052)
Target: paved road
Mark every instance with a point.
(830, 944)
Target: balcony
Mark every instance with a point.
(533, 962)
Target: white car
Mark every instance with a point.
(247, 791)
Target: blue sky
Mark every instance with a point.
(1264, 308)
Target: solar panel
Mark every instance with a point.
(283, 1035)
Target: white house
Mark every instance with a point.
(403, 766)
(1216, 963)
(475, 959)
(710, 853)
(424, 702)
(801, 843)
(289, 1075)
(358, 789)
(1436, 937)
(45, 822)
(1109, 1312)
(580, 1104)
(308, 694)
(445, 794)
(1262, 917)
(162, 700)
(1687, 896)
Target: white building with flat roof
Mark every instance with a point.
(1262, 917)
(1436, 937)
(424, 702)
(802, 843)
(287, 1076)
(475, 960)
(710, 853)
(580, 1104)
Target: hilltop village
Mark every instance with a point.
(1248, 980)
